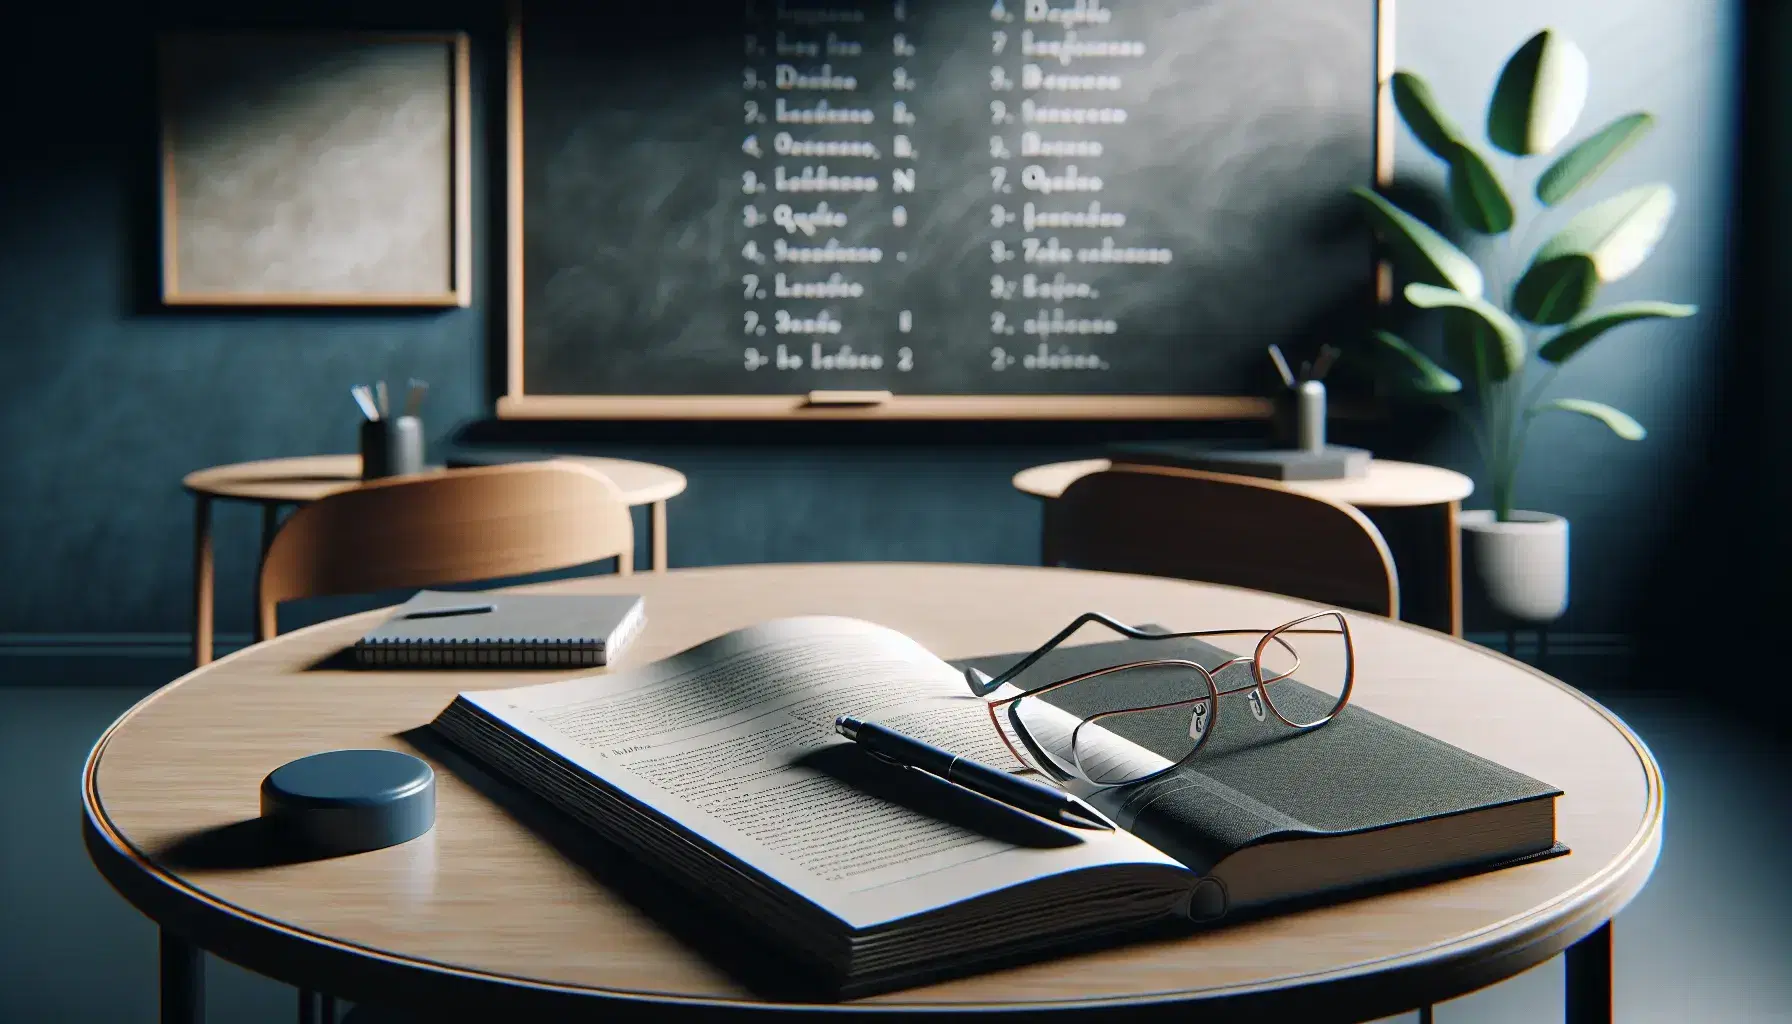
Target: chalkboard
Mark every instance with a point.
(1027, 208)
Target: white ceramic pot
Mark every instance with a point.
(1519, 566)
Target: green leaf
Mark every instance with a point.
(1425, 377)
(1620, 423)
(1539, 95)
(1617, 234)
(1418, 108)
(1421, 251)
(1584, 329)
(1465, 336)
(1556, 291)
(1602, 243)
(1591, 156)
(1476, 194)
(1505, 357)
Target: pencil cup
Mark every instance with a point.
(1309, 416)
(1297, 417)
(391, 447)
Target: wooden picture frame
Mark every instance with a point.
(516, 403)
(315, 169)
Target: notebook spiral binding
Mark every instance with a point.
(509, 652)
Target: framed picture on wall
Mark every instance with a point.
(315, 169)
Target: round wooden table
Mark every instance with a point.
(274, 483)
(483, 917)
(1389, 492)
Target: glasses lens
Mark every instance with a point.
(1306, 670)
(1124, 725)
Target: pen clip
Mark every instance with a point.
(885, 758)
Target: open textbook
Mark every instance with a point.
(721, 765)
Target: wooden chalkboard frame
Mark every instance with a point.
(457, 167)
(517, 404)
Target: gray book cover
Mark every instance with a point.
(1245, 458)
(521, 631)
(1260, 781)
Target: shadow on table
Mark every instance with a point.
(240, 845)
(341, 660)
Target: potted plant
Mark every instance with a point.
(1510, 322)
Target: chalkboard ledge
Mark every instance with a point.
(896, 407)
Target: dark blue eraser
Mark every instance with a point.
(349, 801)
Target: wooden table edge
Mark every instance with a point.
(279, 950)
(1015, 481)
(671, 489)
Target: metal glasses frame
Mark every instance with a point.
(982, 685)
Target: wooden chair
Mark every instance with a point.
(446, 527)
(1222, 529)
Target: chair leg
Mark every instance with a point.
(267, 621)
(204, 581)
(265, 627)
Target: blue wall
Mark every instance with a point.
(1628, 503)
(1764, 267)
(105, 401)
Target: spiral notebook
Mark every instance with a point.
(519, 631)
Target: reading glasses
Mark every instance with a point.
(1167, 707)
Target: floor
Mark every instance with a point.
(1708, 940)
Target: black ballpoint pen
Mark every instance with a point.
(445, 612)
(1054, 805)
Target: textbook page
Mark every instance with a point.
(716, 738)
(1104, 755)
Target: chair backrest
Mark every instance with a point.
(447, 527)
(1222, 529)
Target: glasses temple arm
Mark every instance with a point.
(982, 685)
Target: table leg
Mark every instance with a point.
(270, 524)
(1425, 1016)
(183, 981)
(1421, 540)
(311, 1008)
(1589, 985)
(1453, 549)
(656, 535)
(202, 580)
(1048, 534)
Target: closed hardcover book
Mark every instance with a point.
(520, 631)
(1246, 458)
(1278, 817)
